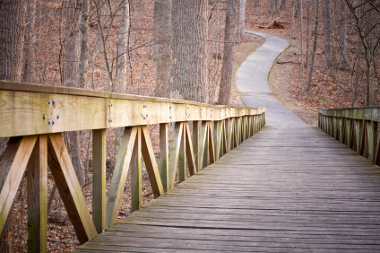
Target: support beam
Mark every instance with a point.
(136, 178)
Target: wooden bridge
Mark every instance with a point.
(252, 188)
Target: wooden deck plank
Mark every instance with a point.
(282, 190)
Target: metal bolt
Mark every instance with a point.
(53, 122)
(142, 115)
(187, 107)
(170, 117)
(109, 105)
(144, 118)
(170, 107)
(48, 122)
(147, 115)
(53, 103)
(49, 101)
(57, 116)
(144, 106)
(44, 117)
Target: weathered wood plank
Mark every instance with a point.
(164, 155)
(189, 151)
(174, 152)
(99, 143)
(136, 177)
(12, 168)
(119, 177)
(69, 188)
(196, 145)
(203, 147)
(182, 157)
(150, 163)
(37, 196)
(211, 143)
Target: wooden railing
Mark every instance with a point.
(34, 116)
(358, 128)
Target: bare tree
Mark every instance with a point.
(292, 21)
(328, 34)
(30, 39)
(225, 82)
(283, 4)
(189, 49)
(83, 28)
(343, 36)
(314, 47)
(122, 47)
(241, 19)
(162, 23)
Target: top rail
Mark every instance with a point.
(31, 109)
(361, 113)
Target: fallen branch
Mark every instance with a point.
(265, 27)
(284, 62)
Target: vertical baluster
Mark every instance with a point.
(37, 197)
(164, 155)
(196, 144)
(99, 143)
(136, 180)
(182, 157)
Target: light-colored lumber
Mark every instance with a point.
(211, 143)
(203, 147)
(189, 150)
(196, 126)
(174, 152)
(136, 176)
(69, 188)
(99, 177)
(182, 156)
(164, 155)
(12, 168)
(150, 163)
(119, 177)
(37, 196)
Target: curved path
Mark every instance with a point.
(252, 82)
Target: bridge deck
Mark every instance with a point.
(286, 189)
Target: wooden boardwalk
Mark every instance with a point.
(285, 189)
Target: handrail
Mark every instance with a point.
(34, 116)
(358, 128)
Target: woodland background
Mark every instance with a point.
(180, 49)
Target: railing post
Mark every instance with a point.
(99, 143)
(182, 158)
(196, 144)
(136, 180)
(164, 155)
(37, 196)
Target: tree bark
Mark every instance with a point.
(189, 50)
(292, 21)
(30, 39)
(162, 53)
(283, 4)
(83, 28)
(272, 7)
(226, 78)
(12, 36)
(343, 36)
(241, 19)
(257, 3)
(314, 47)
(122, 47)
(328, 36)
(301, 40)
(307, 33)
(71, 59)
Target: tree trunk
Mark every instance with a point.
(189, 50)
(292, 22)
(162, 53)
(314, 47)
(226, 78)
(241, 19)
(307, 33)
(71, 58)
(122, 47)
(301, 35)
(283, 3)
(343, 36)
(257, 3)
(83, 28)
(328, 36)
(30, 39)
(272, 7)
(12, 35)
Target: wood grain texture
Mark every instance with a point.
(296, 190)
(12, 166)
(150, 163)
(189, 150)
(99, 143)
(164, 155)
(203, 147)
(70, 109)
(69, 188)
(136, 177)
(174, 153)
(37, 196)
(119, 177)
